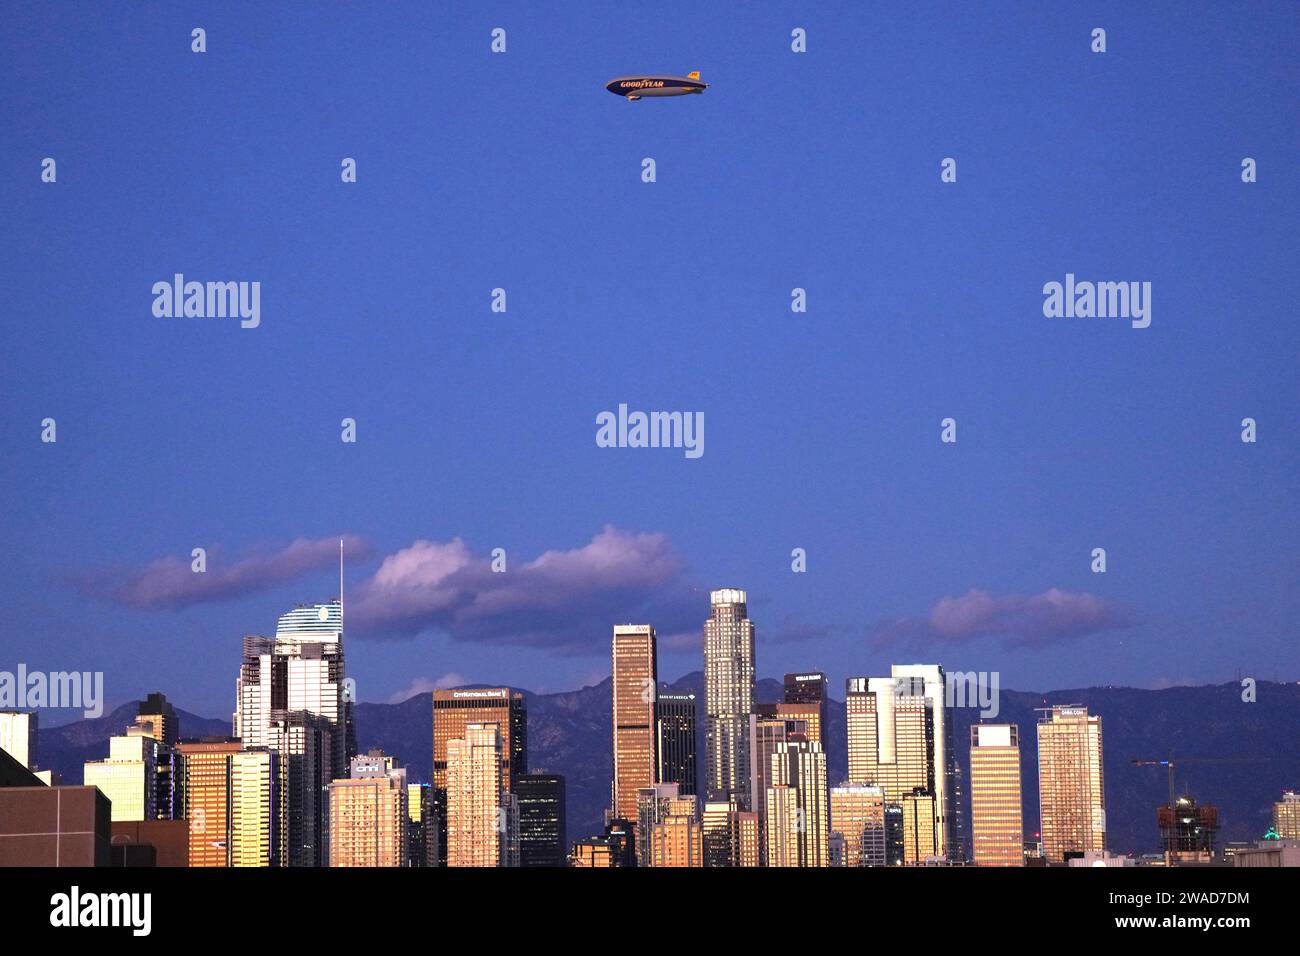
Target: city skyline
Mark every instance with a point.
(899, 739)
(475, 429)
(356, 378)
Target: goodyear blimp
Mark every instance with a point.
(635, 87)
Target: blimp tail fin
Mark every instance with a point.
(693, 76)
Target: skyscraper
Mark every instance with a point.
(809, 688)
(653, 803)
(157, 718)
(675, 841)
(594, 853)
(766, 732)
(675, 716)
(921, 842)
(798, 820)
(205, 769)
(730, 835)
(891, 734)
(542, 837)
(893, 834)
(862, 727)
(1071, 790)
(434, 813)
(303, 741)
(858, 816)
(1187, 830)
(997, 830)
(835, 855)
(128, 777)
(805, 698)
(301, 668)
(257, 810)
(508, 821)
(614, 848)
(369, 814)
(158, 713)
(899, 739)
(635, 731)
(18, 736)
(478, 817)
(454, 710)
(728, 696)
(930, 681)
(417, 844)
(1286, 816)
(232, 800)
(292, 699)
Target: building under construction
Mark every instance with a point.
(1187, 830)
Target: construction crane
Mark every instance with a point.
(1169, 763)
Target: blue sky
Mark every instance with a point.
(520, 171)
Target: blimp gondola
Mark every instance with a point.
(635, 87)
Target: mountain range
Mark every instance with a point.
(1238, 756)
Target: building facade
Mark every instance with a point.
(128, 777)
(766, 733)
(206, 784)
(157, 718)
(454, 710)
(51, 826)
(676, 839)
(798, 818)
(921, 843)
(482, 820)
(806, 697)
(1071, 789)
(653, 804)
(997, 819)
(728, 696)
(303, 741)
(899, 739)
(257, 810)
(300, 669)
(1286, 816)
(369, 815)
(615, 848)
(858, 817)
(730, 835)
(18, 736)
(159, 715)
(675, 720)
(635, 688)
(542, 824)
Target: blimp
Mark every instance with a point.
(635, 87)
